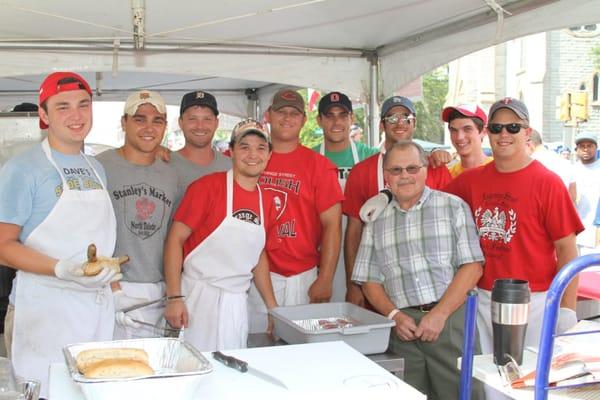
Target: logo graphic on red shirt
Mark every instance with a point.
(247, 215)
(494, 225)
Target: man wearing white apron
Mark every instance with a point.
(398, 121)
(335, 118)
(144, 192)
(53, 204)
(304, 253)
(218, 236)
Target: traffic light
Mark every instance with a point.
(579, 106)
(563, 111)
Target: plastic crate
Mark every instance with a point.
(369, 335)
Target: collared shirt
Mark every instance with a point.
(415, 253)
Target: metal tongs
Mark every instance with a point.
(510, 371)
(167, 330)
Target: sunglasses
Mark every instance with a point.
(512, 128)
(411, 169)
(397, 118)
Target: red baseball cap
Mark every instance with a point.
(58, 82)
(468, 110)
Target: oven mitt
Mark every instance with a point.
(375, 206)
(125, 320)
(69, 270)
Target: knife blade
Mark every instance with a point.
(243, 367)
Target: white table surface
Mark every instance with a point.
(485, 370)
(306, 369)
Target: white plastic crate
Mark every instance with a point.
(370, 334)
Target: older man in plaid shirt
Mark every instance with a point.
(416, 263)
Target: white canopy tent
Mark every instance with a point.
(244, 50)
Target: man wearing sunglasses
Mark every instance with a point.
(398, 121)
(416, 263)
(526, 220)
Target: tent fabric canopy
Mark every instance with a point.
(232, 46)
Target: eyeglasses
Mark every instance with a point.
(512, 128)
(411, 169)
(396, 118)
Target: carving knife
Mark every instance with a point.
(243, 367)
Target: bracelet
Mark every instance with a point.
(169, 298)
(393, 313)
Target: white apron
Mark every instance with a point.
(49, 312)
(216, 277)
(151, 314)
(339, 278)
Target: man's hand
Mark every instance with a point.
(71, 271)
(320, 291)
(439, 157)
(431, 326)
(176, 313)
(125, 320)
(162, 153)
(355, 295)
(123, 301)
(373, 207)
(405, 327)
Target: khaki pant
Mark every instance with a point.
(9, 321)
(431, 367)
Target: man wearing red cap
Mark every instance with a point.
(53, 204)
(466, 123)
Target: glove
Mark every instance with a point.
(68, 270)
(567, 319)
(123, 301)
(373, 207)
(126, 321)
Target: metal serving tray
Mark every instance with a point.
(178, 367)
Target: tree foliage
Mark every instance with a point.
(435, 89)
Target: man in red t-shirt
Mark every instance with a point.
(304, 250)
(525, 217)
(398, 120)
(218, 237)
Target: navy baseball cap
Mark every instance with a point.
(198, 98)
(397, 101)
(334, 99)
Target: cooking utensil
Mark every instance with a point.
(144, 304)
(161, 330)
(243, 367)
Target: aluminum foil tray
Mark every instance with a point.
(178, 367)
(324, 324)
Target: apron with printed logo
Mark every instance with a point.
(216, 277)
(49, 312)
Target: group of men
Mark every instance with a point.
(223, 240)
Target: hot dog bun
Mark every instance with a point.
(94, 268)
(86, 358)
(118, 368)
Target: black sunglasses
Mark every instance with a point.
(512, 128)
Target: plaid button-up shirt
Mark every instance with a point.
(415, 253)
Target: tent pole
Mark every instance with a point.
(373, 137)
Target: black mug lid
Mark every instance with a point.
(511, 291)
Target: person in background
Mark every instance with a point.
(144, 192)
(398, 121)
(356, 133)
(198, 120)
(218, 236)
(587, 178)
(335, 118)
(53, 205)
(466, 123)
(416, 263)
(303, 254)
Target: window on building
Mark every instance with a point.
(596, 88)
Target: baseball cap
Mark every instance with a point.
(334, 99)
(586, 136)
(468, 110)
(198, 98)
(287, 98)
(397, 101)
(58, 82)
(135, 100)
(516, 106)
(247, 126)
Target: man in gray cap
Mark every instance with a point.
(526, 220)
(198, 120)
(587, 177)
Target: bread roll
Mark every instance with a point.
(118, 368)
(87, 358)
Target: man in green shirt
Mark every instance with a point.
(335, 118)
